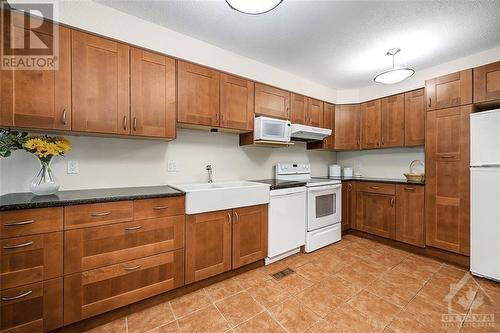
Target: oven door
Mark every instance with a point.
(324, 206)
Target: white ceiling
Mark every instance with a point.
(340, 44)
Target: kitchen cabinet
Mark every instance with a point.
(410, 226)
(447, 187)
(392, 121)
(236, 103)
(347, 127)
(314, 112)
(152, 95)
(249, 235)
(271, 102)
(327, 143)
(198, 95)
(38, 99)
(348, 205)
(99, 84)
(375, 209)
(208, 244)
(487, 83)
(299, 104)
(414, 128)
(371, 118)
(449, 90)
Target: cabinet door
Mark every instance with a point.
(449, 90)
(36, 307)
(208, 244)
(376, 214)
(487, 83)
(348, 205)
(100, 84)
(347, 130)
(410, 214)
(198, 94)
(272, 102)
(30, 259)
(237, 103)
(447, 179)
(38, 98)
(393, 121)
(152, 94)
(329, 122)
(93, 292)
(414, 118)
(299, 109)
(371, 119)
(249, 235)
(315, 112)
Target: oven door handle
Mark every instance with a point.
(324, 188)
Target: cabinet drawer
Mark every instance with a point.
(35, 307)
(97, 214)
(30, 259)
(30, 221)
(380, 188)
(149, 208)
(100, 290)
(90, 248)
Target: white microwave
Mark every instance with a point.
(271, 129)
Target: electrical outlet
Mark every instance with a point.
(73, 167)
(172, 166)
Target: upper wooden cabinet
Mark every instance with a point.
(272, 102)
(449, 90)
(314, 112)
(153, 94)
(347, 127)
(299, 109)
(249, 235)
(371, 118)
(198, 94)
(37, 98)
(410, 226)
(237, 103)
(100, 84)
(393, 121)
(447, 179)
(414, 118)
(487, 83)
(327, 143)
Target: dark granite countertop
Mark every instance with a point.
(280, 184)
(374, 179)
(28, 200)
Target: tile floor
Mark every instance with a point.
(356, 285)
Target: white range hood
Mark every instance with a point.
(309, 133)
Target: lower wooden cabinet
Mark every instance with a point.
(36, 307)
(208, 244)
(96, 291)
(410, 214)
(376, 209)
(249, 235)
(348, 205)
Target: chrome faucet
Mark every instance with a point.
(209, 169)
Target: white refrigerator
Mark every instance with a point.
(485, 194)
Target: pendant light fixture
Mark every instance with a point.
(253, 7)
(394, 75)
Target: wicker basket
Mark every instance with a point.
(417, 173)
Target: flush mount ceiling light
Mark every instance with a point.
(394, 75)
(253, 7)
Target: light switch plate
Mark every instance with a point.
(172, 166)
(73, 167)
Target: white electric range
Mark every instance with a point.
(324, 204)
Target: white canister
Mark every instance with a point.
(348, 172)
(334, 170)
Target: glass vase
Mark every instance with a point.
(44, 182)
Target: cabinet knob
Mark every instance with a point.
(392, 202)
(349, 187)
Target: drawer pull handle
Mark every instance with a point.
(100, 214)
(374, 187)
(134, 228)
(236, 218)
(13, 224)
(17, 246)
(447, 156)
(160, 207)
(409, 189)
(11, 298)
(392, 202)
(131, 268)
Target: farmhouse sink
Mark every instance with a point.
(208, 197)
